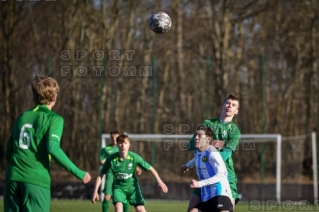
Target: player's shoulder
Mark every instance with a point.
(233, 127)
(210, 122)
(113, 156)
(109, 146)
(48, 113)
(211, 149)
(133, 155)
(42, 111)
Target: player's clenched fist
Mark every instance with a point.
(87, 178)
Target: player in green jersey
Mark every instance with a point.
(226, 138)
(104, 154)
(34, 139)
(125, 186)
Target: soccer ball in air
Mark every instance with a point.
(160, 22)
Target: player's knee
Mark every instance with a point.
(140, 208)
(107, 197)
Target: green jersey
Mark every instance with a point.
(36, 134)
(227, 132)
(124, 170)
(107, 151)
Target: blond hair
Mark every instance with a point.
(44, 89)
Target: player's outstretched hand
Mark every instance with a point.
(217, 144)
(194, 184)
(184, 168)
(95, 197)
(163, 187)
(87, 178)
(138, 171)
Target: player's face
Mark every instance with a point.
(201, 140)
(125, 146)
(113, 138)
(230, 107)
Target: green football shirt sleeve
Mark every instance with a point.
(55, 129)
(106, 166)
(9, 147)
(102, 155)
(53, 147)
(60, 157)
(142, 163)
(207, 122)
(233, 140)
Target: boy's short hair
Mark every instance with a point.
(43, 89)
(121, 138)
(208, 131)
(114, 132)
(232, 97)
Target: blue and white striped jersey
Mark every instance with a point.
(212, 173)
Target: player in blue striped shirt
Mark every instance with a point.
(212, 173)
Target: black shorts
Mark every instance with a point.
(216, 204)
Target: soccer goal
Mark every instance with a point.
(264, 163)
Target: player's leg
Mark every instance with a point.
(233, 188)
(118, 207)
(34, 197)
(195, 199)
(11, 199)
(224, 204)
(195, 210)
(135, 198)
(215, 204)
(119, 199)
(107, 191)
(232, 180)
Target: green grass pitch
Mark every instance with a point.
(152, 206)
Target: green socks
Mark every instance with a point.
(105, 205)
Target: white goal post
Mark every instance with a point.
(244, 138)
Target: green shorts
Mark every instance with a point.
(132, 195)
(108, 183)
(19, 196)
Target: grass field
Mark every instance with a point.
(160, 206)
(151, 206)
(156, 206)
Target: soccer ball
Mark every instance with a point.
(160, 22)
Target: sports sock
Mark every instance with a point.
(126, 207)
(105, 205)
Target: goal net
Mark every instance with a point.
(269, 167)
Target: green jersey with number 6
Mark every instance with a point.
(124, 170)
(36, 133)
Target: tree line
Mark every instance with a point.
(264, 51)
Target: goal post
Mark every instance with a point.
(314, 166)
(143, 144)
